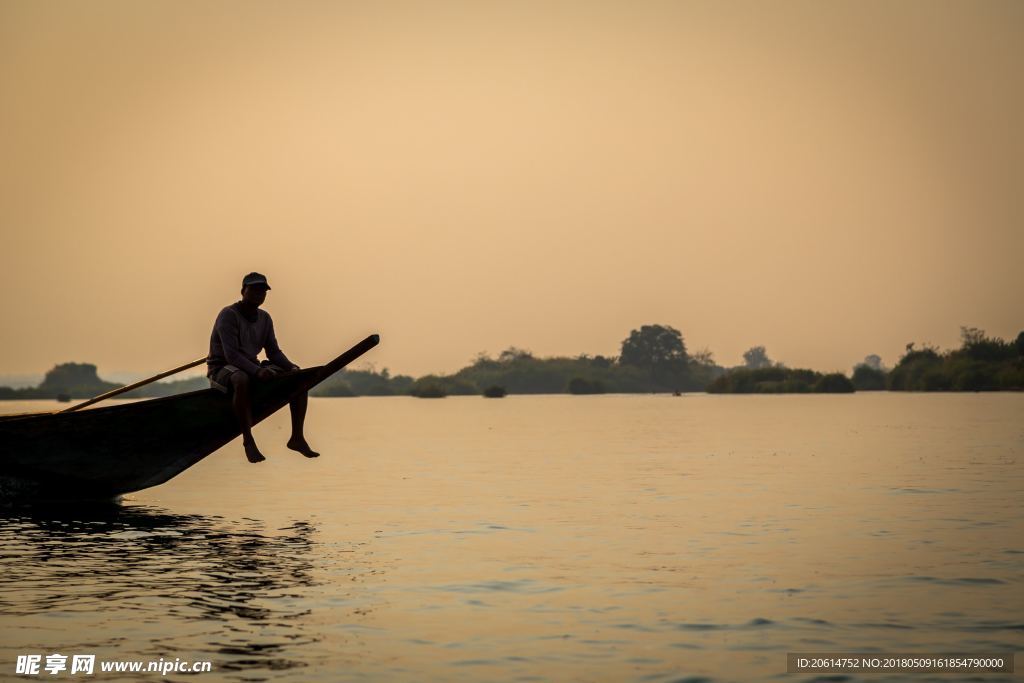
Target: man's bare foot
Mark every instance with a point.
(301, 446)
(252, 452)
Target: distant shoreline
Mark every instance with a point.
(653, 360)
(660, 395)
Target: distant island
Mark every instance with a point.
(653, 358)
(81, 381)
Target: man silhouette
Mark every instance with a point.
(240, 332)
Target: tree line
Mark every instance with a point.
(982, 363)
(653, 358)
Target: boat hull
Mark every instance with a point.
(108, 451)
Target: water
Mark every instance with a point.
(536, 538)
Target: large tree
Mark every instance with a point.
(660, 350)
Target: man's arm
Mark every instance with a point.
(227, 330)
(274, 353)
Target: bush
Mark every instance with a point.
(794, 386)
(981, 363)
(772, 380)
(337, 389)
(1011, 376)
(973, 376)
(364, 383)
(834, 383)
(977, 345)
(578, 385)
(909, 374)
(430, 385)
(867, 378)
(428, 391)
(934, 379)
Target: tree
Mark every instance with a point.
(868, 378)
(704, 357)
(869, 375)
(979, 346)
(755, 358)
(513, 354)
(834, 383)
(661, 351)
(483, 361)
(651, 345)
(873, 361)
(972, 336)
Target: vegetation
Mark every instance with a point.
(659, 351)
(869, 375)
(428, 390)
(579, 385)
(521, 373)
(866, 378)
(834, 383)
(759, 374)
(434, 386)
(81, 381)
(75, 380)
(779, 380)
(364, 383)
(756, 358)
(982, 363)
(653, 358)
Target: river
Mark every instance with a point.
(548, 538)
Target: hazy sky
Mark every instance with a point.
(825, 179)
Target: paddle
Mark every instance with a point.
(136, 385)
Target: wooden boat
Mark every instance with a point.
(104, 452)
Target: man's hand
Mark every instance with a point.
(264, 373)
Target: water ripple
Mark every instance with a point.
(108, 565)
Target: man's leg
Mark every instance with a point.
(241, 402)
(298, 441)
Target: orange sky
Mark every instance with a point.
(825, 179)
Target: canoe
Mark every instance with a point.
(101, 453)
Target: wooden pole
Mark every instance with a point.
(136, 385)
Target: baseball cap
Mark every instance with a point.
(255, 279)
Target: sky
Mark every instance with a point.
(828, 180)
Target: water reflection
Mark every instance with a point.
(167, 585)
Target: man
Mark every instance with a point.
(241, 331)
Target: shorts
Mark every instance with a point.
(221, 379)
